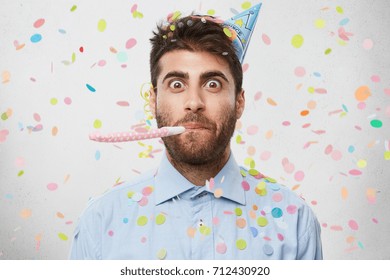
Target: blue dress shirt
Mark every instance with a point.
(162, 215)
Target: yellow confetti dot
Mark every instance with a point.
(211, 12)
(172, 27)
(142, 220)
(227, 32)
(160, 219)
(262, 221)
(361, 163)
(386, 155)
(246, 5)
(261, 188)
(297, 41)
(241, 244)
(311, 89)
(238, 211)
(162, 254)
(63, 236)
(205, 230)
(328, 51)
(130, 194)
(97, 123)
(320, 23)
(102, 25)
(53, 101)
(339, 10)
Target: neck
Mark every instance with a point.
(198, 174)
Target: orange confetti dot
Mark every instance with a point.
(252, 214)
(60, 215)
(271, 102)
(311, 105)
(344, 193)
(362, 93)
(26, 213)
(255, 207)
(38, 237)
(305, 113)
(191, 232)
(350, 239)
(54, 131)
(113, 50)
(269, 134)
(295, 187)
(241, 222)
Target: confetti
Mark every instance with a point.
(131, 43)
(221, 248)
(3, 135)
(39, 22)
(241, 244)
(162, 254)
(320, 23)
(36, 38)
(297, 41)
(25, 213)
(353, 225)
(52, 186)
(367, 44)
(91, 88)
(102, 25)
(63, 236)
(299, 71)
(376, 123)
(266, 39)
(362, 93)
(97, 124)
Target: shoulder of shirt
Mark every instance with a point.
(117, 190)
(273, 185)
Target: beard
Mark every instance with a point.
(199, 147)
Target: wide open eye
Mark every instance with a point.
(213, 85)
(176, 86)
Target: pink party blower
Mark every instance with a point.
(134, 136)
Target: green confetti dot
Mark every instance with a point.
(211, 12)
(20, 173)
(262, 221)
(4, 116)
(339, 10)
(243, 173)
(246, 5)
(238, 211)
(253, 172)
(238, 139)
(328, 51)
(102, 25)
(122, 57)
(63, 236)
(297, 41)
(160, 219)
(74, 7)
(172, 27)
(161, 254)
(142, 220)
(73, 57)
(241, 244)
(387, 155)
(376, 123)
(97, 123)
(269, 179)
(53, 101)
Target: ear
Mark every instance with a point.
(240, 104)
(152, 101)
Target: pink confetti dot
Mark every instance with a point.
(299, 176)
(134, 8)
(19, 162)
(280, 237)
(102, 63)
(286, 123)
(361, 105)
(123, 103)
(68, 100)
(328, 149)
(39, 22)
(215, 221)
(291, 209)
(147, 191)
(266, 39)
(131, 43)
(37, 117)
(355, 172)
(221, 248)
(252, 130)
(144, 201)
(3, 135)
(374, 220)
(245, 67)
(245, 185)
(387, 91)
(143, 239)
(336, 155)
(266, 155)
(277, 197)
(368, 44)
(52, 186)
(375, 78)
(258, 95)
(353, 225)
(110, 233)
(299, 71)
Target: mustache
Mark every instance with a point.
(197, 118)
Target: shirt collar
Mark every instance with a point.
(169, 183)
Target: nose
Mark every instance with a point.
(194, 101)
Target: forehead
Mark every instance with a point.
(193, 63)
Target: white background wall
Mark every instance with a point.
(37, 218)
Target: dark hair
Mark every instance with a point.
(195, 34)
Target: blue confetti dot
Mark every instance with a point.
(125, 220)
(91, 88)
(274, 187)
(268, 250)
(345, 108)
(277, 212)
(62, 31)
(351, 149)
(254, 231)
(344, 21)
(317, 74)
(36, 38)
(97, 155)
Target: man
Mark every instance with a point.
(199, 204)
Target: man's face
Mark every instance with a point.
(196, 90)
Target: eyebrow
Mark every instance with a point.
(203, 76)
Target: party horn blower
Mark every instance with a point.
(134, 136)
(243, 25)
